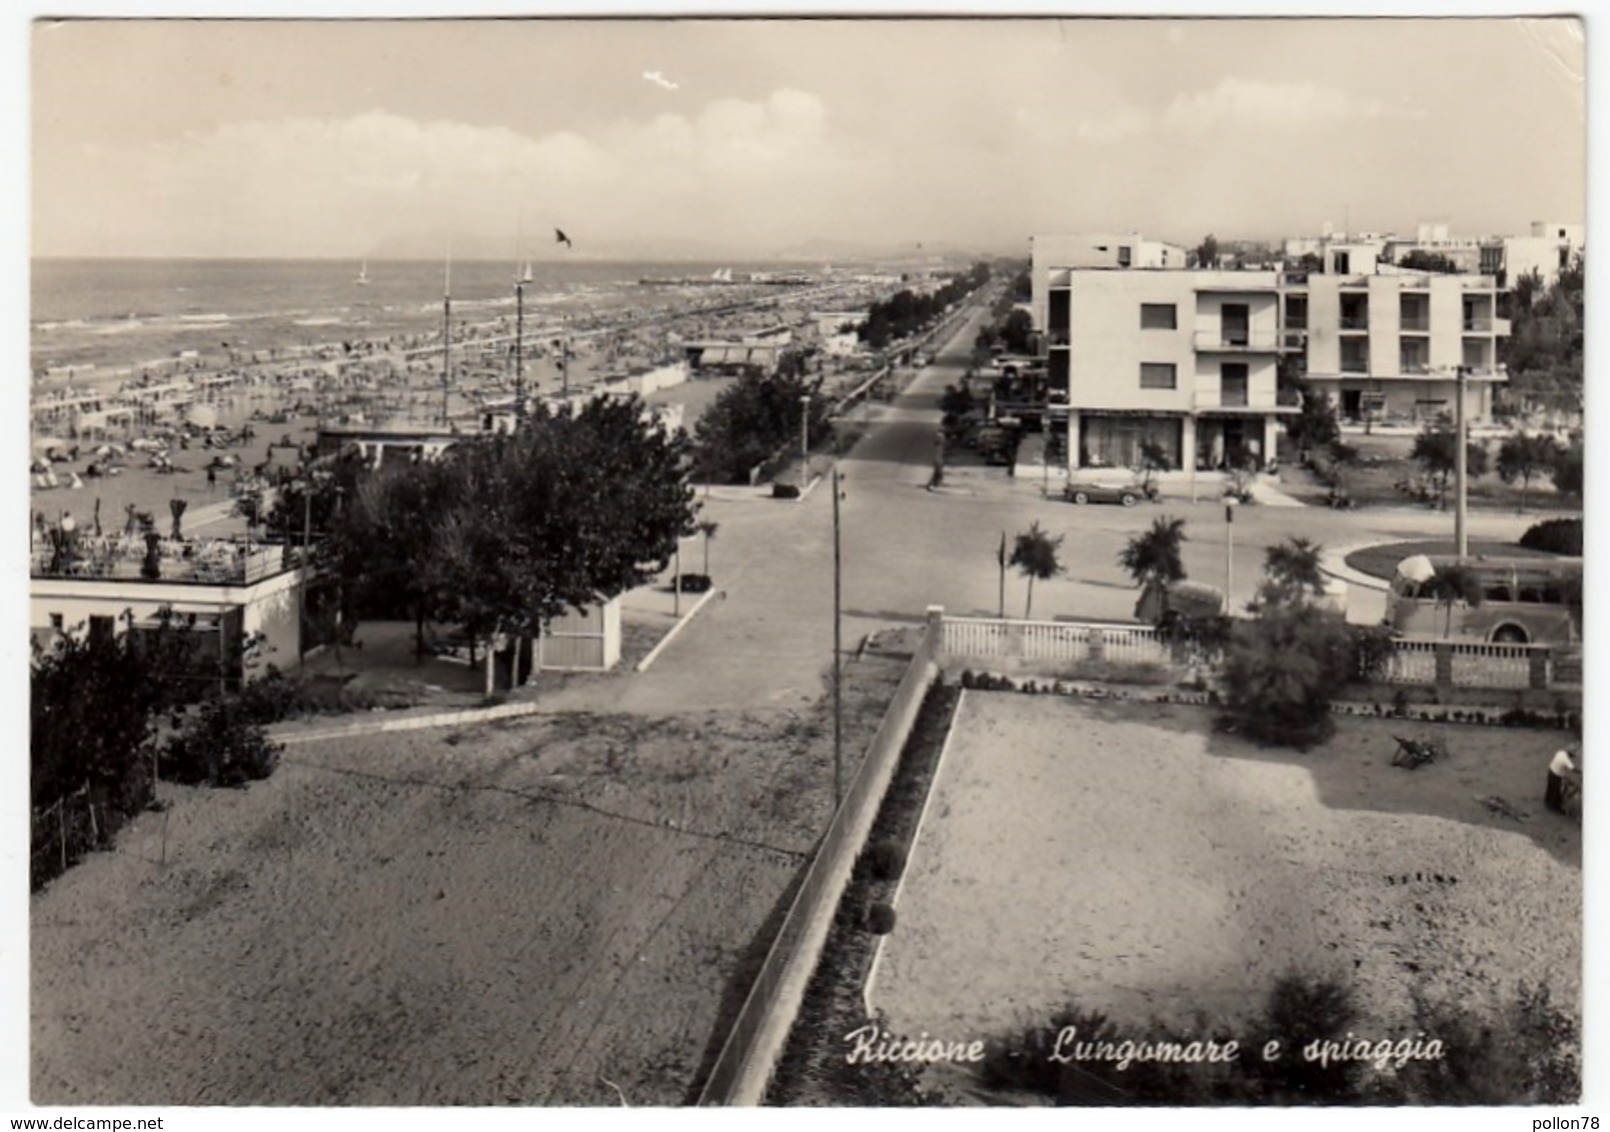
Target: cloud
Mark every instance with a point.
(759, 169)
(660, 80)
(1239, 103)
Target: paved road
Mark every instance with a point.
(768, 641)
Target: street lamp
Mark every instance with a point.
(1229, 551)
(1461, 545)
(804, 438)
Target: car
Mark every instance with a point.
(1126, 494)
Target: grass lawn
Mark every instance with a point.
(1382, 561)
(1384, 464)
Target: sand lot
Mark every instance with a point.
(501, 915)
(1125, 856)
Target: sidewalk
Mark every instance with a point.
(1334, 562)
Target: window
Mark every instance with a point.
(1157, 375)
(1115, 442)
(1565, 258)
(1158, 316)
(1342, 262)
(1123, 257)
(1233, 384)
(56, 622)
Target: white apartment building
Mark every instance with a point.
(1096, 249)
(1390, 346)
(1183, 358)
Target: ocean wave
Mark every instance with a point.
(218, 317)
(316, 321)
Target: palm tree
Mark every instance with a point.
(1035, 556)
(1451, 585)
(1152, 558)
(1292, 569)
(708, 528)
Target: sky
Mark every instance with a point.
(350, 139)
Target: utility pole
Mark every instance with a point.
(1461, 545)
(301, 585)
(838, 655)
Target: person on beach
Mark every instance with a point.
(212, 478)
(1562, 769)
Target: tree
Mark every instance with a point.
(568, 511)
(1434, 448)
(1522, 456)
(1450, 585)
(1207, 252)
(1281, 671)
(1421, 260)
(1316, 426)
(1153, 556)
(1566, 471)
(1292, 571)
(1543, 352)
(1153, 459)
(1034, 553)
(750, 422)
(382, 544)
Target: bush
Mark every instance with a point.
(1556, 536)
(1281, 672)
(1373, 647)
(784, 491)
(221, 745)
(880, 918)
(886, 859)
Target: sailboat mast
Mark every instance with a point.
(447, 331)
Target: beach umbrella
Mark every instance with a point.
(203, 416)
(45, 445)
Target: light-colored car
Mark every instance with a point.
(1126, 494)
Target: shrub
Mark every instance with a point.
(694, 583)
(1303, 1008)
(1281, 672)
(219, 744)
(1557, 536)
(784, 491)
(1526, 1055)
(880, 918)
(1373, 646)
(886, 859)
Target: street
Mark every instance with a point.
(767, 638)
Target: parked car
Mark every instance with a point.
(1126, 494)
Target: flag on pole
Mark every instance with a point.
(560, 237)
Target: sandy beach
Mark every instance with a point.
(1127, 858)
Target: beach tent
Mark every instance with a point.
(43, 446)
(203, 416)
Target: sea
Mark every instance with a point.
(98, 314)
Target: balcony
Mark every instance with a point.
(1294, 339)
(1353, 323)
(1415, 324)
(1236, 342)
(1478, 324)
(1239, 401)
